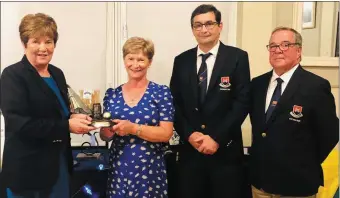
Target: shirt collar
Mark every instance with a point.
(213, 50)
(286, 76)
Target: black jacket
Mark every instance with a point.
(36, 130)
(288, 150)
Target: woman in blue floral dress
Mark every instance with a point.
(143, 113)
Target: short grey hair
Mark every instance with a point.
(297, 35)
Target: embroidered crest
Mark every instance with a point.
(297, 111)
(225, 82)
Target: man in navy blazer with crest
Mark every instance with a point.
(210, 87)
(294, 123)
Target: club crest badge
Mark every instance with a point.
(225, 82)
(297, 111)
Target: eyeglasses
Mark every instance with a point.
(208, 25)
(282, 46)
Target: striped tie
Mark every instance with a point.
(202, 79)
(275, 98)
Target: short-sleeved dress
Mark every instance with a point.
(137, 166)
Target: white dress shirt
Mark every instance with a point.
(210, 60)
(272, 85)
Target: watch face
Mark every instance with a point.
(107, 115)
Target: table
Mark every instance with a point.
(90, 173)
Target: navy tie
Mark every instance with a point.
(202, 79)
(275, 98)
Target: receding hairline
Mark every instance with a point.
(296, 35)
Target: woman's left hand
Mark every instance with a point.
(123, 127)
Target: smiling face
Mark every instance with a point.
(39, 51)
(284, 60)
(38, 35)
(136, 65)
(207, 37)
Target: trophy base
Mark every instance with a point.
(101, 123)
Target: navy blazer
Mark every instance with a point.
(225, 106)
(288, 150)
(36, 130)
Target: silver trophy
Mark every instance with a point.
(99, 119)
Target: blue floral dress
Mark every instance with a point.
(137, 166)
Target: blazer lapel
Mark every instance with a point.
(192, 71)
(291, 88)
(218, 66)
(41, 83)
(37, 78)
(59, 81)
(261, 94)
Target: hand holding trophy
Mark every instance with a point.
(80, 125)
(95, 118)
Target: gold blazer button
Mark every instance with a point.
(264, 134)
(202, 126)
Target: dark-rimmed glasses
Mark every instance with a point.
(208, 25)
(282, 46)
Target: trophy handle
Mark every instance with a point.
(105, 135)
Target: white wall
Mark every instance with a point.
(167, 24)
(81, 49)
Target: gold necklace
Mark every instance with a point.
(133, 100)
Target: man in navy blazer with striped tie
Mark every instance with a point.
(210, 86)
(294, 123)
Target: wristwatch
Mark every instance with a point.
(139, 129)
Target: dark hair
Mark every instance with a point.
(205, 8)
